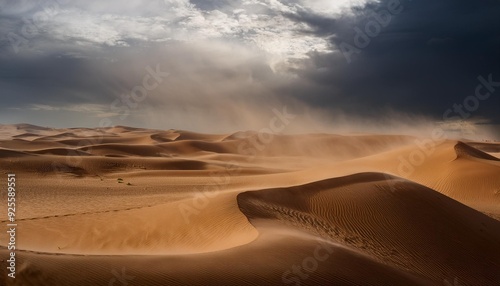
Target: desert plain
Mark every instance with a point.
(133, 206)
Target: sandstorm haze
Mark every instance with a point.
(230, 63)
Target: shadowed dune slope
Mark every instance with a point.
(397, 222)
(7, 153)
(485, 147)
(464, 150)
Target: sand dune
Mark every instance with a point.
(60, 151)
(183, 142)
(485, 147)
(400, 223)
(6, 153)
(468, 178)
(154, 230)
(467, 175)
(183, 208)
(266, 261)
(467, 151)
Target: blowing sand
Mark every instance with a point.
(131, 206)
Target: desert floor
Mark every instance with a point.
(129, 206)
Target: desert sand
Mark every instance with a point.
(132, 206)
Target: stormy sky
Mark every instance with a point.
(224, 65)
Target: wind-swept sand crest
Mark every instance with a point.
(398, 222)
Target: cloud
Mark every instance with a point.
(93, 24)
(412, 65)
(231, 62)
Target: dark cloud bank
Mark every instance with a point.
(427, 58)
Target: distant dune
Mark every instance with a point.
(173, 207)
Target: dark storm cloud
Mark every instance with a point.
(231, 61)
(57, 79)
(321, 25)
(43, 79)
(427, 58)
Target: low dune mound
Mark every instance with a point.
(398, 222)
(25, 135)
(175, 164)
(63, 135)
(7, 153)
(188, 135)
(240, 135)
(26, 145)
(180, 227)
(47, 165)
(61, 152)
(195, 147)
(30, 127)
(466, 151)
(164, 136)
(124, 149)
(26, 131)
(97, 165)
(122, 129)
(130, 139)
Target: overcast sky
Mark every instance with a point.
(224, 65)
